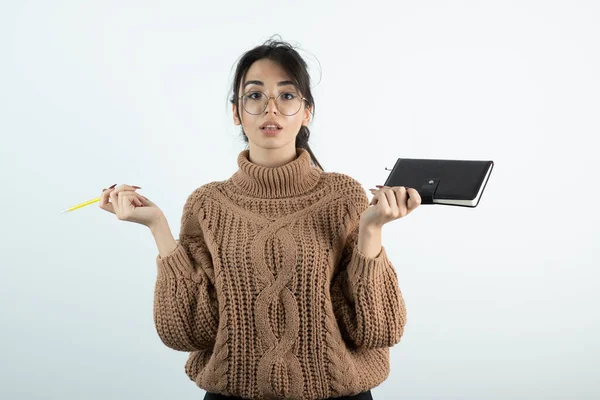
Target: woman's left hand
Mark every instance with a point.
(388, 204)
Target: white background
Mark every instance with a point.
(502, 299)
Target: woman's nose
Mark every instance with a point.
(272, 107)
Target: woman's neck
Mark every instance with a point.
(272, 158)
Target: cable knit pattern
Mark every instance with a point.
(268, 291)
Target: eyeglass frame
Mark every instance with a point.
(267, 103)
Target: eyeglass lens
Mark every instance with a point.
(288, 103)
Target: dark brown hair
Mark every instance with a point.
(294, 65)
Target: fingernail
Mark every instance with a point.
(113, 186)
(103, 190)
(378, 186)
(136, 187)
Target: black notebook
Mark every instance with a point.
(448, 182)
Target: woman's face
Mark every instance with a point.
(267, 76)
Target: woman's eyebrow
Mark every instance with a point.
(260, 83)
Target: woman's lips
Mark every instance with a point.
(270, 132)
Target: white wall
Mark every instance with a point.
(502, 299)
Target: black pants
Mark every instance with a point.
(361, 396)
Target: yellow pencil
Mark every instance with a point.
(87, 203)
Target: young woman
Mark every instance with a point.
(278, 286)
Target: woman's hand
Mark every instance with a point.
(388, 204)
(128, 205)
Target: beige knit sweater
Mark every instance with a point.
(268, 291)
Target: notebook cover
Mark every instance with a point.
(456, 179)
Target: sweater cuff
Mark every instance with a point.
(177, 261)
(365, 270)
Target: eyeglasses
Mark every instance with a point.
(255, 102)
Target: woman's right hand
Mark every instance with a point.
(128, 205)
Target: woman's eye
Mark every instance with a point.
(288, 96)
(254, 95)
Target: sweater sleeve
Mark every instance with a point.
(366, 297)
(186, 313)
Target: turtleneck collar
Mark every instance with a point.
(291, 179)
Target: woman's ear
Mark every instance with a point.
(236, 120)
(307, 115)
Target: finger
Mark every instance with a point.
(122, 206)
(114, 199)
(390, 196)
(374, 199)
(376, 196)
(400, 200)
(414, 199)
(127, 202)
(137, 202)
(386, 196)
(104, 203)
(138, 199)
(123, 188)
(134, 198)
